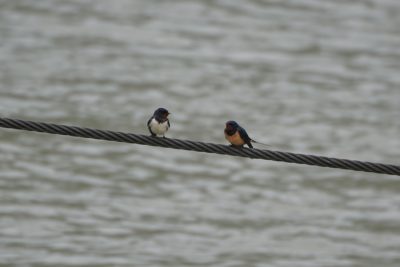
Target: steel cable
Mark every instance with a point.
(200, 146)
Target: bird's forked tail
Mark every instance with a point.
(256, 142)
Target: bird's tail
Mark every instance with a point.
(256, 142)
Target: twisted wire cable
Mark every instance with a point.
(200, 146)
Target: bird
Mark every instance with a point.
(238, 136)
(159, 123)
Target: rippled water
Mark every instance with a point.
(308, 76)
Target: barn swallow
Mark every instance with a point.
(238, 136)
(159, 124)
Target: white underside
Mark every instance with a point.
(158, 128)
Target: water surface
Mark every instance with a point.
(308, 76)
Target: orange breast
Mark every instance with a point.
(235, 139)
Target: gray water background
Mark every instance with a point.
(307, 76)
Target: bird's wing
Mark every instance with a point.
(148, 125)
(243, 134)
(169, 124)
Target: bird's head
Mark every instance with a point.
(231, 126)
(161, 114)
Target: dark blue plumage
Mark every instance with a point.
(243, 134)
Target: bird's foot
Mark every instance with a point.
(236, 146)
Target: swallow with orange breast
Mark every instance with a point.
(237, 135)
(159, 124)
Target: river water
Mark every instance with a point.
(308, 76)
